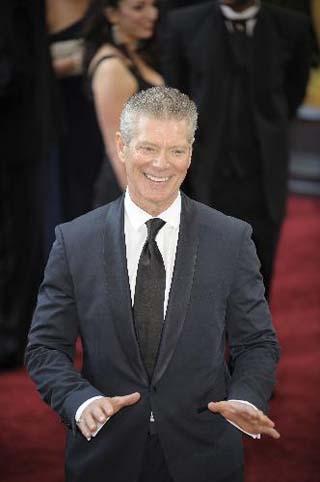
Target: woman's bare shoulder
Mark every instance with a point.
(113, 76)
(105, 53)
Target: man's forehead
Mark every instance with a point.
(150, 126)
(143, 118)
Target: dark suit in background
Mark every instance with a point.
(216, 289)
(28, 126)
(246, 91)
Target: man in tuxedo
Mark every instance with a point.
(246, 65)
(154, 284)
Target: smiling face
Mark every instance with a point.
(134, 19)
(156, 160)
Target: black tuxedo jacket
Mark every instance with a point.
(216, 292)
(198, 61)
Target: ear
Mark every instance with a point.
(121, 147)
(190, 155)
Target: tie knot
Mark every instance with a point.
(153, 226)
(239, 25)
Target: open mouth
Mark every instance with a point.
(156, 179)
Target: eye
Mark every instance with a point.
(138, 6)
(179, 152)
(147, 149)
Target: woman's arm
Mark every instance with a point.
(69, 64)
(112, 85)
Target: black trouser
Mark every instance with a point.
(154, 467)
(265, 236)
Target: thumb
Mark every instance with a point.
(216, 407)
(127, 400)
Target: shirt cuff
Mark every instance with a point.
(81, 409)
(253, 435)
(83, 406)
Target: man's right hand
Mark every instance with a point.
(100, 410)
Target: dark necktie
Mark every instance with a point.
(240, 40)
(149, 296)
(239, 25)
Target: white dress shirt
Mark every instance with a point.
(135, 232)
(248, 14)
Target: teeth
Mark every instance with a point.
(156, 179)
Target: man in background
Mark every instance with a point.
(246, 65)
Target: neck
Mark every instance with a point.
(239, 7)
(152, 208)
(131, 46)
(120, 38)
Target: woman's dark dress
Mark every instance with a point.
(106, 187)
(81, 149)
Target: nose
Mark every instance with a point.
(161, 161)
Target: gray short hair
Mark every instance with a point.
(159, 103)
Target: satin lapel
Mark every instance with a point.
(181, 286)
(117, 284)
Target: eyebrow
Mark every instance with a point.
(148, 143)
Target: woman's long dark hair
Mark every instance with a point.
(98, 31)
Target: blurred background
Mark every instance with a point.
(59, 112)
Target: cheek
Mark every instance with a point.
(136, 166)
(139, 162)
(182, 167)
(132, 20)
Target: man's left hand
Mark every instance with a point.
(247, 418)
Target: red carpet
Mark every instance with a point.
(296, 312)
(32, 439)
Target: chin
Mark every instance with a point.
(157, 199)
(147, 34)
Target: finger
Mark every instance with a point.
(272, 432)
(84, 429)
(99, 414)
(125, 400)
(267, 422)
(253, 416)
(107, 407)
(90, 421)
(260, 420)
(254, 422)
(217, 407)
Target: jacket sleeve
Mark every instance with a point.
(253, 343)
(52, 337)
(298, 68)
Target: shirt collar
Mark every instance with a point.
(250, 12)
(138, 216)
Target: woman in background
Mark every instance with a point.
(119, 60)
(78, 156)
